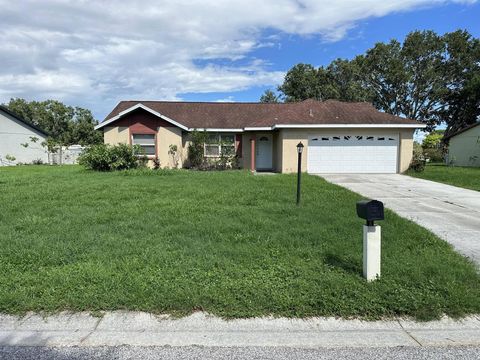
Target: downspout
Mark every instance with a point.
(252, 154)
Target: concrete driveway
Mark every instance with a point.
(450, 212)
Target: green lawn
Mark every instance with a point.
(465, 177)
(229, 243)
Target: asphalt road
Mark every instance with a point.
(277, 353)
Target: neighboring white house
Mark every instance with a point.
(464, 146)
(20, 142)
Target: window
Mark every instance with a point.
(219, 144)
(146, 142)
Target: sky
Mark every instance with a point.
(94, 54)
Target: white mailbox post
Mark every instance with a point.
(371, 210)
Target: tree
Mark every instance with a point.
(430, 78)
(407, 79)
(341, 80)
(433, 140)
(269, 97)
(461, 98)
(301, 83)
(82, 129)
(66, 125)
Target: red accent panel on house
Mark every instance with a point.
(142, 122)
(238, 145)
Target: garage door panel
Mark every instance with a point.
(353, 153)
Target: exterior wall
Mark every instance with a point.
(114, 135)
(142, 122)
(464, 148)
(289, 138)
(284, 147)
(246, 148)
(167, 136)
(13, 133)
(406, 149)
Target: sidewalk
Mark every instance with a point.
(142, 329)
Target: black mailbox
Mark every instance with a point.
(370, 210)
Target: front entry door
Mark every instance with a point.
(264, 152)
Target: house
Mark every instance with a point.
(20, 141)
(339, 137)
(464, 146)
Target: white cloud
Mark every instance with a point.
(94, 53)
(226, 100)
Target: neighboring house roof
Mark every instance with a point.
(308, 113)
(25, 122)
(462, 130)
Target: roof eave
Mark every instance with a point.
(135, 107)
(23, 121)
(254, 128)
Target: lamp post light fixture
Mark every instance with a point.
(299, 173)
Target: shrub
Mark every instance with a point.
(104, 157)
(433, 154)
(37, 162)
(156, 163)
(173, 151)
(418, 160)
(10, 157)
(227, 159)
(195, 149)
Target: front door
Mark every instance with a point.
(264, 152)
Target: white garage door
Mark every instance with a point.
(352, 153)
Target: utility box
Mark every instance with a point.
(370, 210)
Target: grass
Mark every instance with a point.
(465, 177)
(229, 243)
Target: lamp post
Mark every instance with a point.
(299, 174)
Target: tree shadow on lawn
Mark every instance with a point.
(347, 265)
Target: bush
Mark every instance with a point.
(37, 162)
(104, 157)
(418, 160)
(433, 154)
(195, 158)
(156, 163)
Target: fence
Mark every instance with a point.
(65, 155)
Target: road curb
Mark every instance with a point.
(200, 329)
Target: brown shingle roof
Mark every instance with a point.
(240, 115)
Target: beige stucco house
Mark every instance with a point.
(338, 137)
(464, 147)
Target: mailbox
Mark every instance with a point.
(370, 210)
